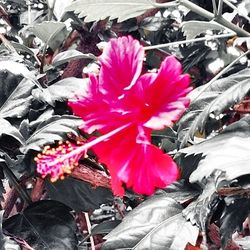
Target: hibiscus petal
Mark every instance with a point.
(61, 160)
(166, 95)
(121, 65)
(141, 166)
(97, 112)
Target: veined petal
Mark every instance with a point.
(136, 163)
(96, 111)
(166, 95)
(121, 65)
(61, 160)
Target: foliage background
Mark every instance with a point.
(47, 49)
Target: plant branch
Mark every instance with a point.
(231, 191)
(37, 191)
(200, 39)
(14, 181)
(89, 230)
(10, 201)
(214, 7)
(210, 16)
(28, 2)
(219, 9)
(236, 9)
(95, 177)
(51, 6)
(220, 74)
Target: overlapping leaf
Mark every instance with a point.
(101, 9)
(199, 210)
(192, 29)
(51, 130)
(151, 225)
(51, 33)
(79, 195)
(69, 55)
(228, 151)
(61, 91)
(232, 219)
(45, 225)
(9, 130)
(214, 98)
(18, 102)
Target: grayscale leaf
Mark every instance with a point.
(228, 151)
(51, 33)
(141, 222)
(192, 29)
(69, 55)
(61, 91)
(18, 102)
(101, 9)
(7, 129)
(54, 129)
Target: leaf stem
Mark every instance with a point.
(210, 16)
(219, 9)
(220, 74)
(200, 39)
(237, 10)
(214, 7)
(14, 181)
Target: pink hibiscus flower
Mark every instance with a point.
(125, 106)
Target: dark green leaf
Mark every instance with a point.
(101, 9)
(45, 224)
(51, 33)
(228, 151)
(16, 68)
(206, 100)
(79, 195)
(181, 191)
(196, 54)
(165, 139)
(54, 129)
(18, 102)
(5, 242)
(46, 115)
(9, 130)
(67, 56)
(194, 110)
(105, 227)
(224, 101)
(198, 211)
(20, 48)
(142, 221)
(172, 233)
(192, 29)
(61, 90)
(233, 216)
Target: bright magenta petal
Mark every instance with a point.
(121, 65)
(166, 96)
(136, 163)
(96, 111)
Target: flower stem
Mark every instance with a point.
(200, 39)
(210, 16)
